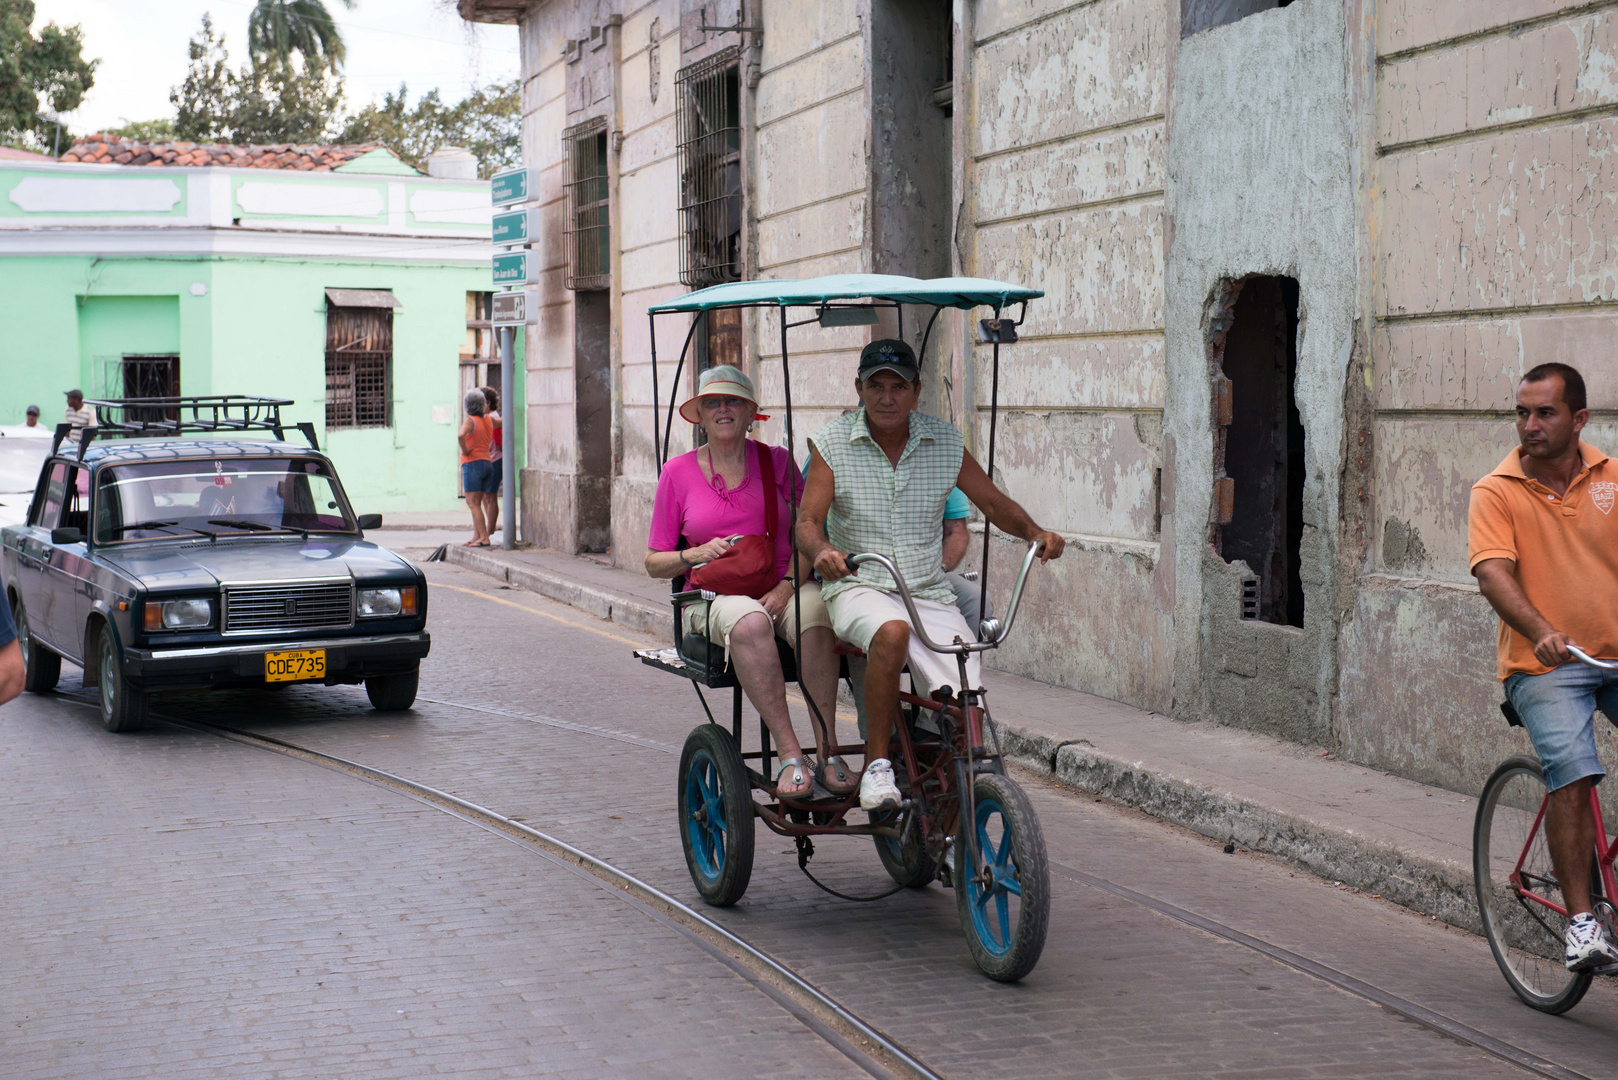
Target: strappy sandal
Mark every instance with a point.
(846, 783)
(801, 764)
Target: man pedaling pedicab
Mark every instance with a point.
(878, 481)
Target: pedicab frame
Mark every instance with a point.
(961, 723)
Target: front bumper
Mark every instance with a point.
(348, 660)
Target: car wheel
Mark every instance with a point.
(123, 707)
(41, 667)
(393, 693)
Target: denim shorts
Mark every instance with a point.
(1558, 710)
(495, 465)
(478, 476)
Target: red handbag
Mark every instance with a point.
(748, 568)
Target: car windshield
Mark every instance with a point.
(219, 497)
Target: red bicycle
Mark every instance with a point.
(1519, 899)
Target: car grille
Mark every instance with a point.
(252, 608)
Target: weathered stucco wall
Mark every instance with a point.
(1261, 181)
(1064, 117)
(1492, 254)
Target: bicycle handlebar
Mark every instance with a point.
(1585, 658)
(993, 626)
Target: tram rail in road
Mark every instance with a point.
(861, 1042)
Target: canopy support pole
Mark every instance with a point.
(674, 388)
(657, 450)
(822, 726)
(988, 527)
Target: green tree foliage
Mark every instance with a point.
(488, 123)
(275, 100)
(144, 130)
(271, 100)
(50, 66)
(278, 28)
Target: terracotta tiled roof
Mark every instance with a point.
(306, 157)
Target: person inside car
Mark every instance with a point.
(879, 479)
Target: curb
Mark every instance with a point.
(634, 614)
(1434, 887)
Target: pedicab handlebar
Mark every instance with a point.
(1584, 657)
(993, 631)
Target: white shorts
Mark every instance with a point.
(858, 613)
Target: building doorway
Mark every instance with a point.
(1259, 446)
(150, 375)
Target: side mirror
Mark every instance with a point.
(370, 521)
(66, 536)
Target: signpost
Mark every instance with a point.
(515, 267)
(513, 186)
(512, 227)
(513, 309)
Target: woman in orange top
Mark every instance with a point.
(476, 438)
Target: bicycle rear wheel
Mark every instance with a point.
(1527, 937)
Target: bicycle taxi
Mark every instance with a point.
(946, 755)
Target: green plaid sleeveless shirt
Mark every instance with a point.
(897, 511)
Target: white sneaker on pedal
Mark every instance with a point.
(877, 789)
(1587, 944)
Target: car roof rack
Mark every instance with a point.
(192, 413)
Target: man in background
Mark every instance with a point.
(32, 416)
(77, 415)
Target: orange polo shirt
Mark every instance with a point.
(1566, 550)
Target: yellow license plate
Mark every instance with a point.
(295, 666)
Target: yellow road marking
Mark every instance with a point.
(542, 614)
(796, 699)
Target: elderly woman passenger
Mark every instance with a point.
(704, 499)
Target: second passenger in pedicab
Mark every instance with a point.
(708, 499)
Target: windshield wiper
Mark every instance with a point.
(243, 523)
(162, 525)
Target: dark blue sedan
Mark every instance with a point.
(192, 563)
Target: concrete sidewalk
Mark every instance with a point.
(1364, 829)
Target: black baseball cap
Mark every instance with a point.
(33, 410)
(889, 354)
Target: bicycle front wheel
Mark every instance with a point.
(1516, 884)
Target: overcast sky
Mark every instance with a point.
(141, 44)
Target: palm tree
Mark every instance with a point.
(282, 26)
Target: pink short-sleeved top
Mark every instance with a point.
(690, 510)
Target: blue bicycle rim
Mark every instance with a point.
(704, 791)
(991, 908)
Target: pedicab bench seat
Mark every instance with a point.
(695, 657)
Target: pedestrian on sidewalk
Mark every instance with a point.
(491, 397)
(708, 500)
(32, 416)
(1543, 544)
(476, 437)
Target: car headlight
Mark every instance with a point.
(397, 600)
(195, 614)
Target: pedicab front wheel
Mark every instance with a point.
(1005, 903)
(716, 815)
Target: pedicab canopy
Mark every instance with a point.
(937, 292)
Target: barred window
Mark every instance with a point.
(359, 366)
(710, 169)
(589, 262)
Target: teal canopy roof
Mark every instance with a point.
(938, 292)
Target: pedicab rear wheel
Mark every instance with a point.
(716, 815)
(1005, 906)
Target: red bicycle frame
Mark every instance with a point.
(1604, 861)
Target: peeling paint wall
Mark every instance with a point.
(1061, 118)
(1494, 171)
(1261, 181)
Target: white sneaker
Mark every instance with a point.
(877, 790)
(1587, 944)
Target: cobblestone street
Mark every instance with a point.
(182, 906)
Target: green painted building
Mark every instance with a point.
(339, 277)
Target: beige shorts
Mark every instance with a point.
(724, 612)
(858, 613)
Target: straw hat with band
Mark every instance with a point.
(721, 381)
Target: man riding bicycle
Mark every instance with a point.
(878, 481)
(1544, 548)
